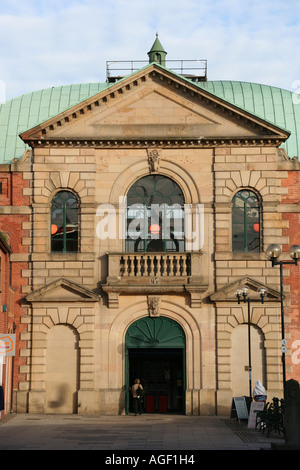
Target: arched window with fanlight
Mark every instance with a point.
(155, 215)
(64, 223)
(246, 222)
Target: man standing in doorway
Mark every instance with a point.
(137, 395)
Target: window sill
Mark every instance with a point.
(258, 255)
(90, 256)
(59, 254)
(69, 256)
(229, 255)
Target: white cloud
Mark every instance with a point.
(51, 43)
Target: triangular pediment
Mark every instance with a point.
(153, 103)
(62, 290)
(228, 293)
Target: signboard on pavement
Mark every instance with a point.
(239, 408)
(7, 344)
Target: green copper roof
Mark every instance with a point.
(276, 105)
(157, 47)
(20, 114)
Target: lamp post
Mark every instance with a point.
(273, 252)
(242, 294)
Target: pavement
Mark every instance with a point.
(114, 435)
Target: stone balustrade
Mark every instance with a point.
(155, 272)
(154, 264)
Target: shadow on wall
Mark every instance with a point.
(62, 399)
(121, 410)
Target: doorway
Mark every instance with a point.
(155, 353)
(161, 374)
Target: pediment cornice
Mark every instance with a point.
(207, 142)
(62, 290)
(264, 133)
(228, 293)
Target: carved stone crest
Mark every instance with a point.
(153, 160)
(154, 305)
(282, 154)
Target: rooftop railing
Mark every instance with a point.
(195, 70)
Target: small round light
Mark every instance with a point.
(155, 229)
(273, 251)
(53, 229)
(262, 291)
(246, 290)
(294, 251)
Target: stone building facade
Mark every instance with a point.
(112, 294)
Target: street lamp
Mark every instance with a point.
(273, 252)
(243, 295)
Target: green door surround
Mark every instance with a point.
(153, 333)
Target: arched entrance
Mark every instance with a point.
(155, 353)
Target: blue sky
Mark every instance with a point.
(49, 43)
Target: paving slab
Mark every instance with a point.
(130, 433)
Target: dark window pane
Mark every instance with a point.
(155, 215)
(246, 222)
(64, 223)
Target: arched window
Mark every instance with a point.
(246, 222)
(64, 223)
(155, 215)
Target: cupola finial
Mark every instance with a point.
(157, 53)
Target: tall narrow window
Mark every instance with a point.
(246, 222)
(155, 215)
(64, 223)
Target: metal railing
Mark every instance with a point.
(195, 70)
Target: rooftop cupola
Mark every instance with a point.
(157, 53)
(194, 70)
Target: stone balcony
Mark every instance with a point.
(155, 273)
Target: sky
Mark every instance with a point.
(51, 43)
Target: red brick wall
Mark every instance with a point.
(4, 266)
(6, 309)
(292, 312)
(13, 225)
(15, 197)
